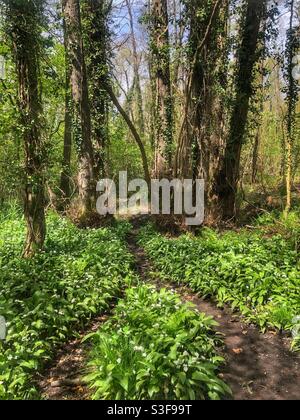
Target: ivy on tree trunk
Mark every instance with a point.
(24, 31)
(81, 106)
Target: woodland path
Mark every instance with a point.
(258, 366)
(62, 378)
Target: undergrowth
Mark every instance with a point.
(155, 347)
(257, 275)
(45, 299)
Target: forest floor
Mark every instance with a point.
(62, 378)
(258, 366)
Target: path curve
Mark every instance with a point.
(259, 366)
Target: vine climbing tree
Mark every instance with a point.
(24, 25)
(160, 60)
(81, 105)
(291, 90)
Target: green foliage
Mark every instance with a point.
(46, 298)
(288, 225)
(53, 82)
(155, 347)
(259, 276)
(124, 153)
(10, 132)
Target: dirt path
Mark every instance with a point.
(62, 379)
(259, 366)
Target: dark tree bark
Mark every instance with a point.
(24, 30)
(81, 107)
(65, 184)
(292, 96)
(200, 143)
(96, 34)
(257, 140)
(160, 60)
(226, 183)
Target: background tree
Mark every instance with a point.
(227, 179)
(81, 105)
(201, 136)
(24, 29)
(292, 94)
(221, 99)
(65, 184)
(136, 72)
(96, 46)
(160, 59)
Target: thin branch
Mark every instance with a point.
(133, 130)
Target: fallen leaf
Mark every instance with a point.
(237, 351)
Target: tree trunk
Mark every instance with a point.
(255, 156)
(179, 32)
(257, 140)
(164, 104)
(96, 34)
(292, 48)
(136, 71)
(201, 138)
(65, 185)
(151, 105)
(24, 31)
(81, 107)
(226, 183)
(288, 174)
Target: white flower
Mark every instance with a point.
(119, 360)
(138, 348)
